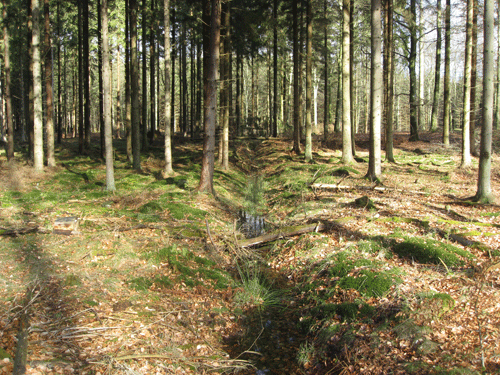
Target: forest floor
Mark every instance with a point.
(401, 277)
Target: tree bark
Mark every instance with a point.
(106, 86)
(210, 117)
(374, 164)
(437, 72)
(347, 157)
(446, 89)
(389, 81)
(37, 89)
(413, 73)
(466, 157)
(308, 145)
(296, 83)
(484, 193)
(8, 98)
(168, 98)
(134, 75)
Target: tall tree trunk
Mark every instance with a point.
(81, 115)
(473, 81)
(389, 81)
(102, 130)
(374, 164)
(37, 89)
(152, 68)
(49, 122)
(210, 117)
(59, 87)
(134, 75)
(86, 74)
(413, 73)
(347, 156)
(308, 146)
(275, 69)
(227, 82)
(466, 157)
(168, 93)
(128, 93)
(173, 47)
(496, 120)
(8, 98)
(144, 96)
(484, 193)
(296, 83)
(106, 75)
(437, 72)
(446, 88)
(326, 56)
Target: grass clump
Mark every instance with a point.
(429, 251)
(182, 211)
(256, 290)
(369, 283)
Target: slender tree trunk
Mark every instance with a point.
(210, 117)
(102, 130)
(173, 46)
(473, 81)
(308, 147)
(86, 74)
(152, 68)
(326, 56)
(484, 193)
(226, 103)
(106, 75)
(49, 122)
(466, 157)
(352, 79)
(389, 81)
(296, 83)
(37, 89)
(134, 75)
(168, 93)
(437, 72)
(374, 164)
(59, 87)
(496, 121)
(8, 98)
(128, 93)
(275, 69)
(347, 156)
(446, 89)
(144, 96)
(413, 73)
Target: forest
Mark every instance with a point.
(249, 187)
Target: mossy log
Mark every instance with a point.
(283, 232)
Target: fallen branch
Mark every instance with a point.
(283, 232)
(18, 231)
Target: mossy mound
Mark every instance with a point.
(429, 251)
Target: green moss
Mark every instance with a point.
(368, 283)
(426, 250)
(140, 283)
(151, 207)
(182, 211)
(72, 280)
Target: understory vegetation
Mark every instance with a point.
(395, 278)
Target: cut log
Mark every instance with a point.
(284, 232)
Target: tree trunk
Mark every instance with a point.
(466, 157)
(347, 156)
(437, 72)
(210, 116)
(152, 68)
(144, 96)
(59, 87)
(446, 89)
(102, 131)
(37, 89)
(168, 98)
(8, 98)
(128, 94)
(496, 121)
(296, 83)
(86, 73)
(473, 80)
(389, 81)
(374, 164)
(106, 76)
(49, 121)
(134, 75)
(326, 56)
(308, 146)
(413, 73)
(275, 69)
(484, 193)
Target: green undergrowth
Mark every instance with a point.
(185, 267)
(430, 251)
